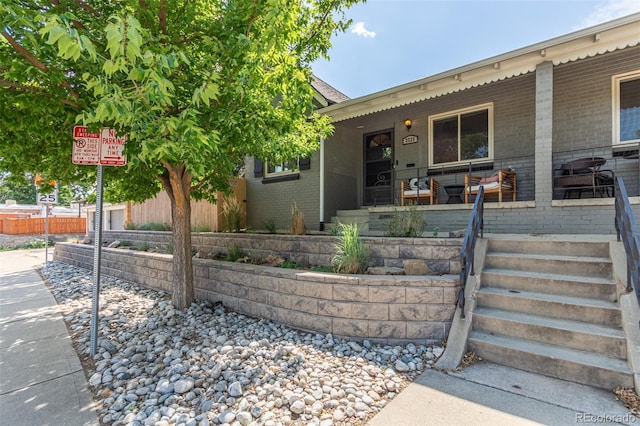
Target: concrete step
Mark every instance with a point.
(556, 306)
(357, 213)
(350, 219)
(542, 282)
(564, 363)
(554, 264)
(577, 248)
(568, 333)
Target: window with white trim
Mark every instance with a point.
(464, 135)
(274, 168)
(626, 108)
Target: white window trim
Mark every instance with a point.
(296, 169)
(615, 102)
(458, 112)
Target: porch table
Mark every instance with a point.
(584, 174)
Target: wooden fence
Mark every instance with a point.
(57, 225)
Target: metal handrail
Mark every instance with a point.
(475, 225)
(627, 231)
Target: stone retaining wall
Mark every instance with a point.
(442, 255)
(386, 309)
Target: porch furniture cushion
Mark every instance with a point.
(419, 188)
(502, 183)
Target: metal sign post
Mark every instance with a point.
(104, 148)
(47, 200)
(97, 251)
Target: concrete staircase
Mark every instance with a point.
(359, 217)
(550, 307)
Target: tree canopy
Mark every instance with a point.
(195, 85)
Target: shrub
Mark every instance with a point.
(235, 253)
(201, 228)
(298, 226)
(232, 211)
(270, 226)
(409, 223)
(130, 226)
(154, 226)
(352, 256)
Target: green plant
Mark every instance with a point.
(232, 211)
(155, 226)
(270, 226)
(125, 243)
(201, 228)
(297, 226)
(143, 246)
(130, 226)
(352, 256)
(235, 253)
(169, 248)
(321, 269)
(290, 264)
(435, 231)
(409, 223)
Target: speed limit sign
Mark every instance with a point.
(50, 198)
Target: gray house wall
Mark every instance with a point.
(273, 201)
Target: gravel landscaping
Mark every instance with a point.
(206, 366)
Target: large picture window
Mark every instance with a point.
(461, 136)
(626, 108)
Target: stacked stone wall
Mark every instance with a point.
(387, 309)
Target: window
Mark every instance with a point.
(461, 136)
(626, 108)
(281, 168)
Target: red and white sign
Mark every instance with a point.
(103, 148)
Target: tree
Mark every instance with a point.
(195, 85)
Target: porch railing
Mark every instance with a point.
(627, 231)
(467, 251)
(575, 177)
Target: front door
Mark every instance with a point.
(378, 161)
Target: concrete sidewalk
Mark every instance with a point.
(41, 378)
(494, 395)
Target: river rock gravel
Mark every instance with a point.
(156, 365)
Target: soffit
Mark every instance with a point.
(608, 37)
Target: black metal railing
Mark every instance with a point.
(451, 179)
(467, 251)
(627, 231)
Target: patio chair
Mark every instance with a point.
(502, 183)
(417, 189)
(584, 175)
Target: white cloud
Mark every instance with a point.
(360, 30)
(609, 10)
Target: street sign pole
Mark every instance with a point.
(46, 235)
(92, 148)
(97, 250)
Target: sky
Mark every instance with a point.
(393, 42)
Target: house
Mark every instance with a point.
(532, 112)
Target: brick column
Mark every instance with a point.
(544, 136)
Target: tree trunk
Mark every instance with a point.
(177, 182)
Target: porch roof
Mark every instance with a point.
(592, 41)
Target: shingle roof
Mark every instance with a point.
(330, 93)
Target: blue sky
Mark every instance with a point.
(392, 42)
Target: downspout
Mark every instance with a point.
(321, 184)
